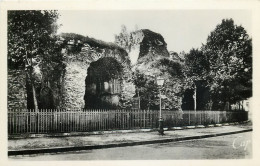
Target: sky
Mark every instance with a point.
(181, 29)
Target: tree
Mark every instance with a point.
(174, 85)
(147, 90)
(31, 44)
(229, 51)
(123, 38)
(145, 81)
(196, 71)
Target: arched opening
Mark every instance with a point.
(103, 83)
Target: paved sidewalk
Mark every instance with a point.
(34, 145)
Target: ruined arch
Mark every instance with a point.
(104, 83)
(77, 69)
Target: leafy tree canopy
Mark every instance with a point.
(145, 81)
(33, 46)
(30, 34)
(229, 52)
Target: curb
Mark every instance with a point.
(176, 128)
(200, 126)
(189, 127)
(225, 124)
(90, 147)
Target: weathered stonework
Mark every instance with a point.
(17, 97)
(69, 90)
(146, 45)
(149, 56)
(74, 85)
(76, 72)
(146, 42)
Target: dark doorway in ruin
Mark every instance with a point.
(103, 84)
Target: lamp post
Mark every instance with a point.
(160, 82)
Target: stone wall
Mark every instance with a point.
(148, 43)
(74, 85)
(17, 95)
(76, 72)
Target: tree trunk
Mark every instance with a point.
(227, 106)
(149, 101)
(33, 90)
(29, 63)
(139, 102)
(195, 98)
(34, 99)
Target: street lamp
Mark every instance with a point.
(160, 82)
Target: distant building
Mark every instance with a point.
(242, 105)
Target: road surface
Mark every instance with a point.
(236, 146)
